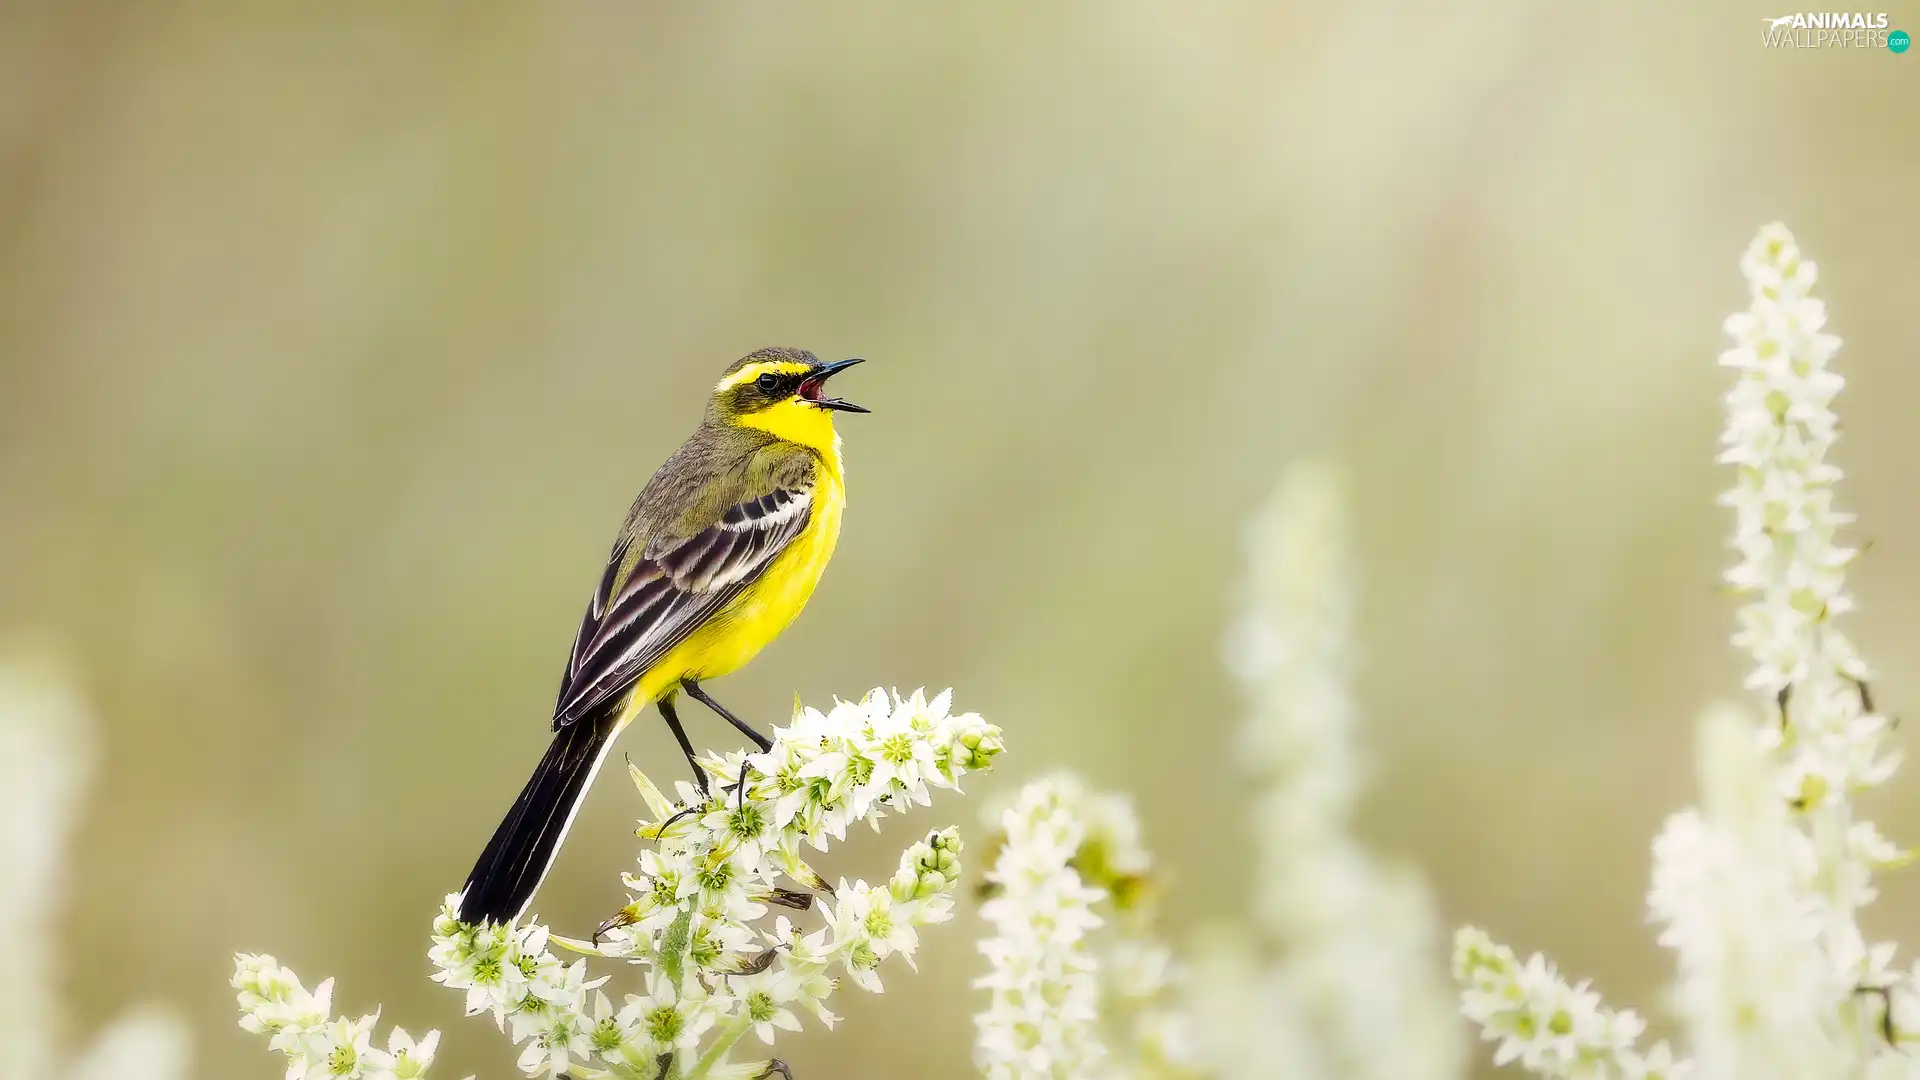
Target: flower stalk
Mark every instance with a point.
(1076, 979)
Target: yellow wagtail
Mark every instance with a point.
(718, 555)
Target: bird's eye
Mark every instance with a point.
(768, 382)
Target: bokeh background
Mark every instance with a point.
(334, 340)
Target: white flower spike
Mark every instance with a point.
(716, 868)
(317, 1045)
(1792, 567)
(1758, 892)
(1554, 1029)
(1355, 936)
(1040, 1021)
(1079, 984)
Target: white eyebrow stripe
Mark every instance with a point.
(753, 371)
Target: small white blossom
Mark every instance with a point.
(341, 1048)
(671, 1017)
(407, 1059)
(555, 1020)
(1553, 1028)
(862, 915)
(764, 998)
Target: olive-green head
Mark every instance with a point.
(783, 393)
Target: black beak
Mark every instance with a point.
(811, 386)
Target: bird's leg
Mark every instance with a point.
(765, 744)
(665, 706)
(667, 824)
(693, 689)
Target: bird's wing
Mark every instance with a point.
(676, 584)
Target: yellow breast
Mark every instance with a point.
(736, 633)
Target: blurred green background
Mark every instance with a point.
(334, 340)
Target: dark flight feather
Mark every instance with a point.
(516, 858)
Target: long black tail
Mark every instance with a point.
(516, 860)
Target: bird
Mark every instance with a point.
(719, 553)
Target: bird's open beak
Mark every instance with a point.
(813, 385)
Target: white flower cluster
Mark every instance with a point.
(1079, 983)
(1041, 1021)
(45, 760)
(1729, 890)
(1355, 938)
(714, 971)
(1147, 1032)
(1780, 427)
(1551, 1028)
(1140, 984)
(1758, 891)
(317, 1045)
(1292, 652)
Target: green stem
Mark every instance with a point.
(721, 1044)
(637, 1067)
